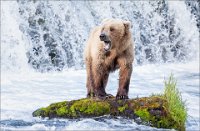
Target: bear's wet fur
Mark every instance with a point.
(109, 47)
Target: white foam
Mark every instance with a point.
(20, 97)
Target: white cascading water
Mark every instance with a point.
(13, 46)
(49, 36)
(188, 26)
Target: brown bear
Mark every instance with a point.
(108, 48)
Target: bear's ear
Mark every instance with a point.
(127, 25)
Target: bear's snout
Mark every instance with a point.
(103, 37)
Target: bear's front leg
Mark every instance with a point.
(99, 76)
(124, 81)
(96, 79)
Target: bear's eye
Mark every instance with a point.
(112, 29)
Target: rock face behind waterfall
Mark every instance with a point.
(56, 31)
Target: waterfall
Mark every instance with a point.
(51, 35)
(13, 45)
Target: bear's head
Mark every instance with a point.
(113, 31)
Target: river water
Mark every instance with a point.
(30, 79)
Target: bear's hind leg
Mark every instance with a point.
(105, 81)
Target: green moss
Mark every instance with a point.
(87, 107)
(122, 108)
(54, 109)
(156, 120)
(62, 111)
(143, 114)
(39, 112)
(90, 107)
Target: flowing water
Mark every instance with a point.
(41, 57)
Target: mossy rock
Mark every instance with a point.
(152, 110)
(161, 111)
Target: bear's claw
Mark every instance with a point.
(109, 95)
(121, 97)
(89, 95)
